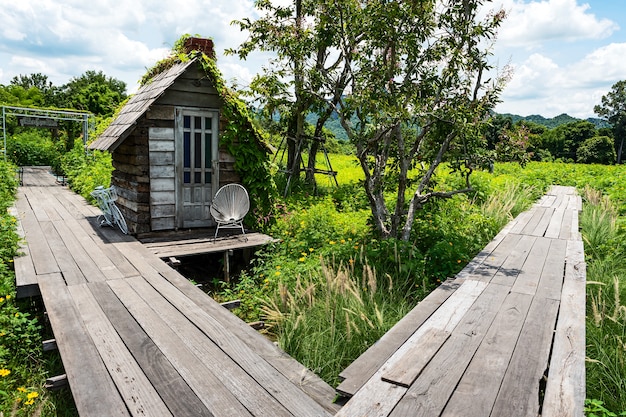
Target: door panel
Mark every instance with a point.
(197, 165)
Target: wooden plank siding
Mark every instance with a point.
(485, 351)
(162, 178)
(136, 337)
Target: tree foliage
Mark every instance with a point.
(596, 150)
(564, 140)
(613, 109)
(408, 81)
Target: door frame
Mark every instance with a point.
(180, 112)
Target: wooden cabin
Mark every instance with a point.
(167, 154)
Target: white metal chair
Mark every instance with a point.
(229, 206)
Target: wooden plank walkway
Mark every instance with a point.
(136, 338)
(482, 344)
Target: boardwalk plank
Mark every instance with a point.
(477, 390)
(265, 375)
(25, 275)
(369, 362)
(295, 372)
(537, 214)
(224, 386)
(551, 280)
(494, 261)
(511, 268)
(42, 257)
(380, 397)
(522, 220)
(432, 390)
(528, 363)
(406, 370)
(85, 239)
(528, 278)
(543, 223)
(565, 389)
(86, 373)
(176, 394)
(138, 393)
(64, 259)
(90, 270)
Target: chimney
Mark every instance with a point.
(201, 45)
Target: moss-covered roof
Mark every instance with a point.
(137, 105)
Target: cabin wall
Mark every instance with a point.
(144, 163)
(131, 178)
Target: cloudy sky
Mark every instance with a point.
(566, 54)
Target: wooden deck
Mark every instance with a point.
(198, 242)
(135, 337)
(505, 338)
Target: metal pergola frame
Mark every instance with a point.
(59, 115)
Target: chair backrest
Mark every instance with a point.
(231, 203)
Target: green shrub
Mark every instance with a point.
(33, 148)
(85, 171)
(596, 150)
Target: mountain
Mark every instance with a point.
(553, 122)
(334, 126)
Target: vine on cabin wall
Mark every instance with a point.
(240, 137)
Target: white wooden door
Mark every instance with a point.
(196, 165)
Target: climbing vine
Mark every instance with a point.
(240, 137)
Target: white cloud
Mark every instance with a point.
(531, 23)
(541, 86)
(602, 66)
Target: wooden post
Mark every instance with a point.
(227, 264)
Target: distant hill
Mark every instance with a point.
(553, 122)
(334, 126)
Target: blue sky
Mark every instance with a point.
(565, 54)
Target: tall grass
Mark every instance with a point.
(606, 302)
(330, 317)
(505, 205)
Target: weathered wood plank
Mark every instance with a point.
(177, 395)
(566, 226)
(85, 370)
(40, 253)
(78, 252)
(138, 393)
(528, 278)
(281, 388)
(407, 368)
(25, 275)
(537, 215)
(87, 239)
(511, 268)
(378, 397)
(522, 220)
(520, 389)
(300, 376)
(551, 280)
(477, 390)
(362, 369)
(432, 390)
(70, 270)
(478, 260)
(565, 389)
(494, 261)
(161, 134)
(554, 227)
(224, 387)
(543, 223)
